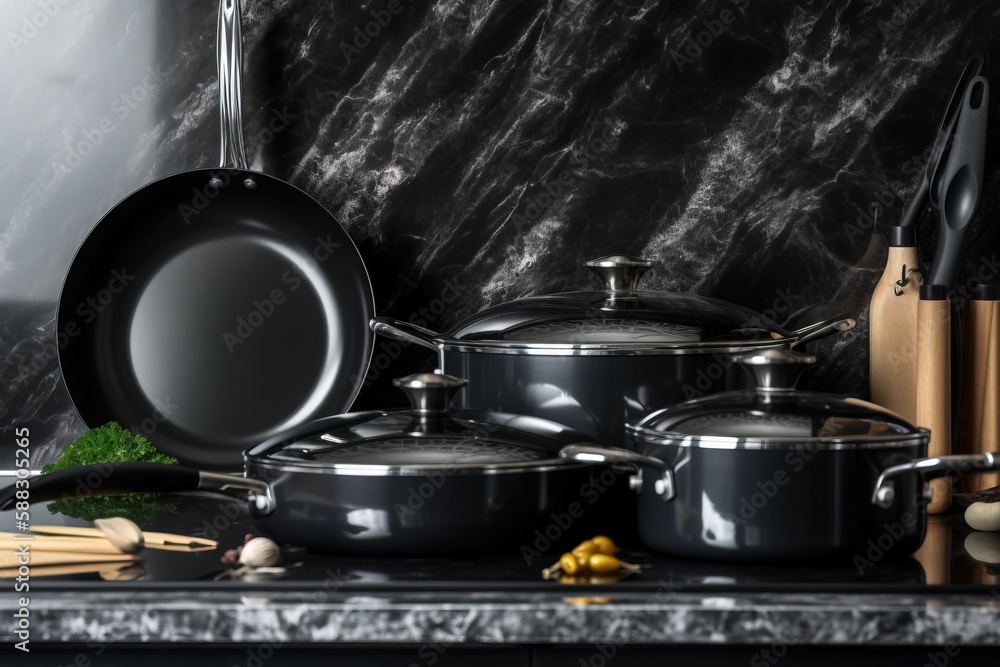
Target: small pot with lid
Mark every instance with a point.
(596, 360)
(419, 482)
(776, 473)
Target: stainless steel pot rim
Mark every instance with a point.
(922, 437)
(609, 349)
(378, 470)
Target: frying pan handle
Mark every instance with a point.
(940, 466)
(112, 479)
(229, 52)
(404, 331)
(821, 330)
(665, 486)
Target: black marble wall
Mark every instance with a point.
(488, 148)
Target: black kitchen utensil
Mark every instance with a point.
(894, 303)
(779, 474)
(956, 187)
(594, 360)
(955, 191)
(215, 308)
(424, 481)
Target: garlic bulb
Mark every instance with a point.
(983, 516)
(122, 533)
(260, 552)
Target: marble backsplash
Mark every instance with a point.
(485, 149)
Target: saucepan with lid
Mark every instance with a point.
(596, 360)
(778, 473)
(424, 481)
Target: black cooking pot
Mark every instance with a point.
(419, 482)
(600, 359)
(778, 474)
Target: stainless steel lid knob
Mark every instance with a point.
(430, 393)
(620, 273)
(775, 369)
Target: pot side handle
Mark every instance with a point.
(405, 331)
(665, 486)
(885, 492)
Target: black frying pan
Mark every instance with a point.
(213, 309)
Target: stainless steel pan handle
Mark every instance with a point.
(885, 491)
(229, 52)
(665, 487)
(405, 331)
(821, 330)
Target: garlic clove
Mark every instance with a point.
(984, 547)
(983, 516)
(260, 552)
(122, 533)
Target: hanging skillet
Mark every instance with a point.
(215, 308)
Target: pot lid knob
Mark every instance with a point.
(620, 273)
(429, 392)
(776, 368)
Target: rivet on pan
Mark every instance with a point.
(250, 184)
(215, 183)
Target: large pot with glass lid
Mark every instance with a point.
(778, 474)
(596, 360)
(419, 482)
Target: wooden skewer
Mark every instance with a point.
(152, 538)
(62, 570)
(47, 543)
(11, 559)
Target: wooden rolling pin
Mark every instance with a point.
(893, 327)
(980, 420)
(933, 388)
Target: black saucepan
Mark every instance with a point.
(597, 360)
(779, 474)
(214, 309)
(417, 482)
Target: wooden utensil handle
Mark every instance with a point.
(980, 426)
(933, 405)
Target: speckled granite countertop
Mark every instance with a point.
(651, 618)
(325, 599)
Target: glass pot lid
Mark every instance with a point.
(619, 316)
(776, 415)
(428, 437)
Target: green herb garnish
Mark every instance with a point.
(111, 444)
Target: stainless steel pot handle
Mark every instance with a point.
(885, 491)
(664, 487)
(405, 331)
(821, 330)
(260, 494)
